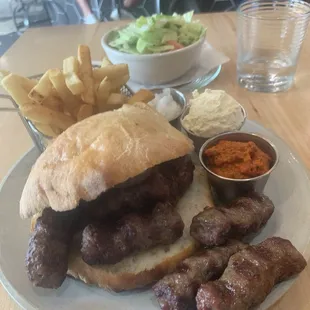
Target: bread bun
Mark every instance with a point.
(98, 153)
(146, 267)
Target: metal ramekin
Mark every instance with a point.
(180, 99)
(227, 189)
(199, 141)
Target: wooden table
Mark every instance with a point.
(286, 113)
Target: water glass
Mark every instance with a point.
(270, 36)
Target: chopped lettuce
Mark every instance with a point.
(156, 34)
(188, 16)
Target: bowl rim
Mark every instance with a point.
(179, 93)
(249, 134)
(106, 46)
(207, 138)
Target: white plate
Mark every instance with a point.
(288, 187)
(197, 79)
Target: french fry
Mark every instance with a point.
(86, 74)
(46, 116)
(54, 91)
(105, 62)
(112, 72)
(53, 102)
(27, 84)
(116, 84)
(96, 86)
(3, 74)
(57, 130)
(75, 85)
(143, 95)
(42, 89)
(12, 84)
(46, 129)
(85, 111)
(117, 99)
(70, 65)
(103, 91)
(75, 111)
(110, 107)
(58, 80)
(95, 109)
(71, 73)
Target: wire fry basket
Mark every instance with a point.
(40, 140)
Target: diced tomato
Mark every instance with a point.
(175, 44)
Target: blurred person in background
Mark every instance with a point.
(90, 18)
(130, 9)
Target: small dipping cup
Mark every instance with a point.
(180, 99)
(199, 141)
(227, 189)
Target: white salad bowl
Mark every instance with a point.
(155, 69)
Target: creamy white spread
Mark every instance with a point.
(213, 112)
(164, 104)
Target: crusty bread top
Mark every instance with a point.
(98, 153)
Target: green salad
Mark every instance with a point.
(157, 34)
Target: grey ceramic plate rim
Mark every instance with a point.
(22, 300)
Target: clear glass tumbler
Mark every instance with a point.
(270, 36)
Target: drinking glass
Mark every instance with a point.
(270, 36)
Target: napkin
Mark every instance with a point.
(209, 59)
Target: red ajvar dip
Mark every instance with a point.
(237, 160)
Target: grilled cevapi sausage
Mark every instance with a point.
(245, 215)
(250, 276)
(165, 182)
(104, 244)
(177, 291)
(47, 256)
